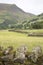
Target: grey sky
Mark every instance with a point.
(32, 6)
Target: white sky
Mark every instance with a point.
(31, 6)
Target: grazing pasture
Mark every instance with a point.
(16, 39)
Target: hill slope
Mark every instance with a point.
(10, 14)
(35, 23)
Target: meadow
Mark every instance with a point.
(16, 39)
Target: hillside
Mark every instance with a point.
(35, 23)
(10, 14)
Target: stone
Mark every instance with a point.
(36, 52)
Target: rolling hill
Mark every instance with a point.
(10, 14)
(35, 23)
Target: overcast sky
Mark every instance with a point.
(32, 6)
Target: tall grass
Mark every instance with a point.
(16, 39)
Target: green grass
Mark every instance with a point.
(16, 39)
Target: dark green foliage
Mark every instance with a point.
(35, 23)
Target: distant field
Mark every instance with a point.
(16, 39)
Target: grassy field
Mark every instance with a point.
(16, 39)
